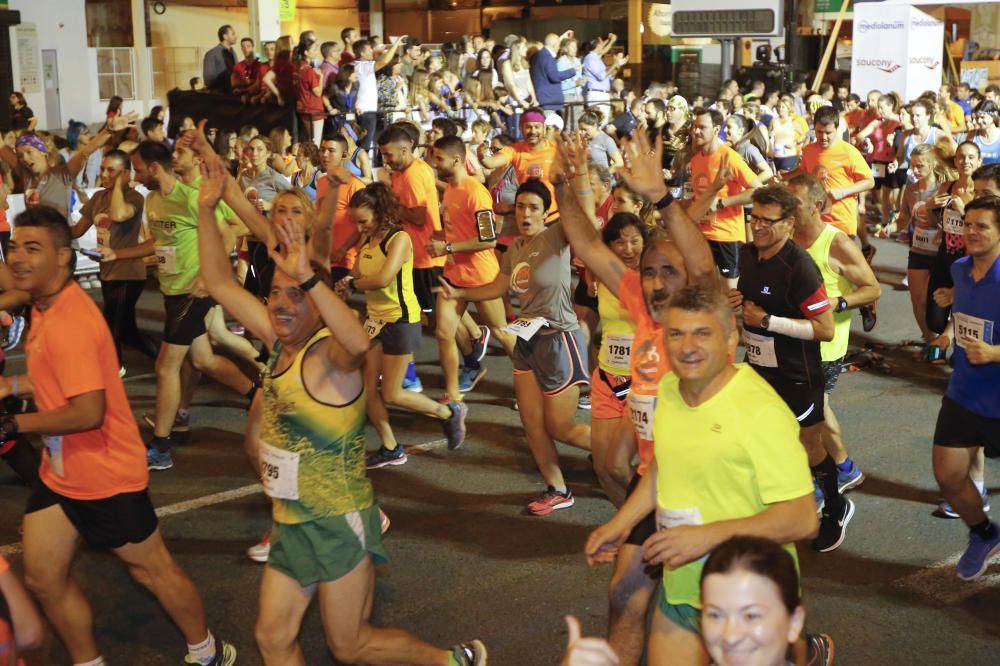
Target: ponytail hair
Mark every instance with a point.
(383, 204)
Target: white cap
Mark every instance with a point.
(554, 120)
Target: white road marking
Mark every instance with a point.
(940, 584)
(222, 496)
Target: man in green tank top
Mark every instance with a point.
(850, 284)
(325, 540)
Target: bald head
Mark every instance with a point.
(552, 41)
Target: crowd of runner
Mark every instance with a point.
(618, 246)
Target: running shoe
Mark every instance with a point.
(454, 428)
(14, 332)
(121, 371)
(819, 650)
(550, 501)
(905, 281)
(384, 457)
(182, 422)
(479, 345)
(468, 378)
(868, 317)
(584, 402)
(833, 528)
(225, 655)
(414, 385)
(818, 494)
(158, 460)
(261, 551)
(472, 653)
(947, 511)
(974, 560)
(852, 478)
(384, 522)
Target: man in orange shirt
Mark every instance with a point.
(333, 153)
(841, 168)
(469, 239)
(532, 158)
(93, 478)
(723, 225)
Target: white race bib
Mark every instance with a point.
(617, 350)
(373, 327)
(641, 409)
(953, 223)
(166, 259)
(927, 240)
(969, 329)
(667, 518)
(878, 169)
(103, 237)
(525, 328)
(688, 190)
(760, 350)
(53, 444)
(279, 472)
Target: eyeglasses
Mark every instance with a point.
(757, 220)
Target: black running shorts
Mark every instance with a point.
(185, 318)
(959, 428)
(111, 522)
(727, 257)
(645, 527)
(425, 280)
(806, 402)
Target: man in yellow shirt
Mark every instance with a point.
(748, 475)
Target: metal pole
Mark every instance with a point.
(727, 58)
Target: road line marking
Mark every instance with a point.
(12, 549)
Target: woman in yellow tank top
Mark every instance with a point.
(384, 271)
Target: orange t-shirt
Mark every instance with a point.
(956, 117)
(343, 225)
(536, 162)
(726, 225)
(840, 165)
(111, 458)
(649, 361)
(458, 213)
(416, 185)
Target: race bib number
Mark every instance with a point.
(617, 350)
(640, 410)
(279, 472)
(878, 169)
(781, 150)
(53, 445)
(373, 327)
(667, 518)
(953, 222)
(760, 350)
(166, 259)
(688, 190)
(526, 328)
(103, 237)
(969, 329)
(927, 240)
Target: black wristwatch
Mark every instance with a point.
(310, 283)
(8, 427)
(667, 199)
(841, 304)
(765, 321)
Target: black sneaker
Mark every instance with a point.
(454, 428)
(480, 343)
(472, 653)
(868, 317)
(833, 528)
(819, 650)
(384, 457)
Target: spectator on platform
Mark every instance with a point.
(348, 36)
(21, 115)
(196, 83)
(546, 76)
(366, 102)
(330, 52)
(219, 62)
(280, 79)
(248, 74)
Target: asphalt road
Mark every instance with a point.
(467, 562)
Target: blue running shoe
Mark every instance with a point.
(947, 511)
(454, 428)
(852, 478)
(479, 344)
(820, 500)
(410, 381)
(974, 560)
(468, 378)
(158, 460)
(14, 332)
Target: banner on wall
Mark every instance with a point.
(286, 10)
(28, 58)
(896, 48)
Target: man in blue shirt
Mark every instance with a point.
(970, 410)
(546, 76)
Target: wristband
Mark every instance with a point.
(799, 329)
(310, 283)
(667, 199)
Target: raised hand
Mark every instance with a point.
(589, 651)
(643, 170)
(294, 261)
(213, 181)
(575, 153)
(123, 121)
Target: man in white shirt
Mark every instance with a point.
(365, 66)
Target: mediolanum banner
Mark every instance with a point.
(895, 48)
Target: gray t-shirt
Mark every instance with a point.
(267, 183)
(602, 149)
(52, 190)
(118, 235)
(539, 273)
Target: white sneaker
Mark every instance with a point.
(261, 551)
(385, 521)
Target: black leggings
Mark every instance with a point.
(120, 298)
(937, 316)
